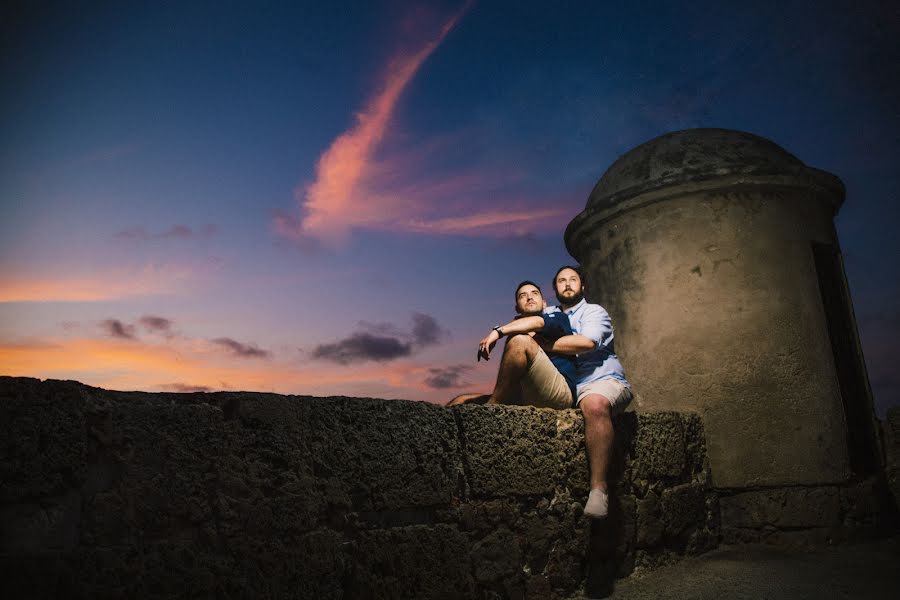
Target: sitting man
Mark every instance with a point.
(527, 375)
(602, 388)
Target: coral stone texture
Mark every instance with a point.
(242, 495)
(716, 255)
(892, 443)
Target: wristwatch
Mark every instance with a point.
(498, 330)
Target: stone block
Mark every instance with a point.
(312, 565)
(660, 450)
(480, 517)
(683, 508)
(353, 454)
(892, 451)
(49, 526)
(43, 438)
(497, 558)
(410, 562)
(892, 437)
(167, 457)
(860, 502)
(782, 508)
(649, 521)
(34, 576)
(893, 482)
(510, 450)
(565, 567)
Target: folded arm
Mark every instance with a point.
(568, 344)
(594, 327)
(516, 326)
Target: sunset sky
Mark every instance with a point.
(339, 197)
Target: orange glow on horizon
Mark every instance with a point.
(113, 285)
(132, 365)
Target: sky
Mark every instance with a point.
(339, 198)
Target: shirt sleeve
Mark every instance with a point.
(595, 324)
(556, 325)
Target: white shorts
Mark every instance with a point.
(618, 394)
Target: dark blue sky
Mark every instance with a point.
(228, 166)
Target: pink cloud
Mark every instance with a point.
(358, 186)
(183, 232)
(507, 221)
(337, 200)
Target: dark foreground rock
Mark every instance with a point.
(111, 494)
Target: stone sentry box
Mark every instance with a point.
(716, 254)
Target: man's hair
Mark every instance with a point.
(575, 268)
(524, 283)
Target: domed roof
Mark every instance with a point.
(691, 155)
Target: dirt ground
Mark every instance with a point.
(862, 570)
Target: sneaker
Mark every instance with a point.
(597, 505)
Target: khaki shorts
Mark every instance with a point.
(618, 394)
(544, 386)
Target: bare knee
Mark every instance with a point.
(595, 407)
(523, 345)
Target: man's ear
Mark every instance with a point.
(543, 305)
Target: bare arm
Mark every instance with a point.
(521, 325)
(568, 344)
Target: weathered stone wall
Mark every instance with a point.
(109, 494)
(892, 450)
(808, 515)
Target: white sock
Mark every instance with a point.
(597, 505)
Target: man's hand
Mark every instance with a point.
(487, 344)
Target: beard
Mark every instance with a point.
(570, 301)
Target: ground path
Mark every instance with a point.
(862, 570)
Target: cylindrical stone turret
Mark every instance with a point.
(715, 253)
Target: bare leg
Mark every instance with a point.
(469, 399)
(518, 354)
(598, 441)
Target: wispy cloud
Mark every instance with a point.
(117, 329)
(241, 350)
(363, 346)
(426, 331)
(441, 378)
(182, 388)
(507, 220)
(342, 196)
(382, 342)
(179, 232)
(156, 324)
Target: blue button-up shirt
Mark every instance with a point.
(592, 321)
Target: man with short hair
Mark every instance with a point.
(527, 375)
(602, 390)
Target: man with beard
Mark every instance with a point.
(527, 375)
(602, 390)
